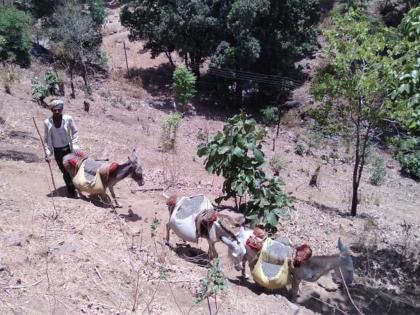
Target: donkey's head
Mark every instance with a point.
(236, 248)
(137, 170)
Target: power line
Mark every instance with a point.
(267, 79)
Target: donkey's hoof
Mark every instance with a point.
(245, 276)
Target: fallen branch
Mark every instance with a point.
(328, 304)
(348, 293)
(98, 273)
(146, 189)
(23, 286)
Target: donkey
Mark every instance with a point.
(304, 266)
(206, 224)
(98, 176)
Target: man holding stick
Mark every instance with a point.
(60, 138)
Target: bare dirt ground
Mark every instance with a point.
(90, 260)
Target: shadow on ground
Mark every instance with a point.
(19, 156)
(192, 254)
(156, 81)
(388, 282)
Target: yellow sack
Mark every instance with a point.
(270, 271)
(93, 187)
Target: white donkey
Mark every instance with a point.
(302, 266)
(95, 177)
(194, 217)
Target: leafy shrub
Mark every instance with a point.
(97, 11)
(212, 284)
(15, 41)
(268, 204)
(183, 86)
(378, 172)
(236, 154)
(47, 86)
(169, 129)
(408, 154)
(277, 164)
(300, 149)
(270, 115)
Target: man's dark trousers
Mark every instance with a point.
(59, 153)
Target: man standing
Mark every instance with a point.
(61, 137)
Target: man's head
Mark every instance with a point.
(56, 106)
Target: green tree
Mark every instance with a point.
(354, 86)
(76, 39)
(188, 27)
(236, 154)
(183, 86)
(267, 36)
(15, 41)
(405, 70)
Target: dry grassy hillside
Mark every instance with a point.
(90, 260)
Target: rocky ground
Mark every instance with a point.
(88, 259)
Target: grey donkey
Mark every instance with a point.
(110, 173)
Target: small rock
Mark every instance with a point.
(16, 239)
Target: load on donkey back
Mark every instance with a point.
(94, 177)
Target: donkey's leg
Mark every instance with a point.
(244, 274)
(212, 253)
(295, 288)
(111, 190)
(168, 230)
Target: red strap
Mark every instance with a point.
(113, 167)
(73, 162)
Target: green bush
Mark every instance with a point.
(169, 129)
(47, 86)
(270, 115)
(268, 204)
(15, 41)
(183, 86)
(408, 154)
(378, 172)
(237, 154)
(212, 284)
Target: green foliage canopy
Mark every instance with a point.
(189, 27)
(236, 154)
(405, 70)
(15, 41)
(355, 85)
(183, 85)
(266, 35)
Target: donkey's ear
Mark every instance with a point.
(133, 156)
(241, 235)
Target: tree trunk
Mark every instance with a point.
(71, 69)
(85, 79)
(356, 178)
(169, 56)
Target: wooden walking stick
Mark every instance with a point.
(43, 147)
